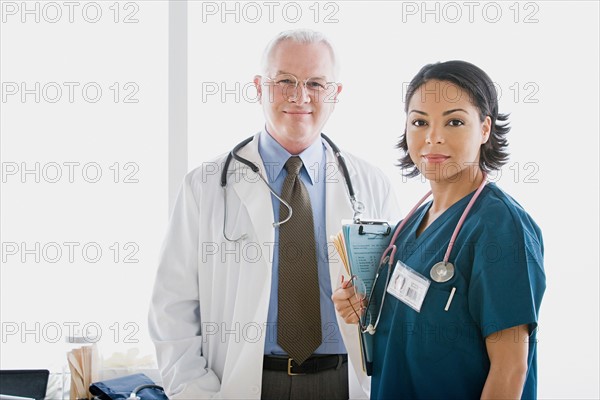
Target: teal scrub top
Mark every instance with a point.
(499, 279)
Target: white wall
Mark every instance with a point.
(45, 300)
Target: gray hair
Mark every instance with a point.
(304, 36)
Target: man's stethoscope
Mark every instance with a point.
(440, 272)
(357, 206)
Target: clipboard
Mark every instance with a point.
(360, 244)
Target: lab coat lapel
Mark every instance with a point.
(254, 284)
(338, 207)
(255, 195)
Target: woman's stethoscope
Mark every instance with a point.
(357, 206)
(441, 272)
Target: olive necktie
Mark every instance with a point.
(299, 312)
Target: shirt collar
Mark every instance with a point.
(274, 156)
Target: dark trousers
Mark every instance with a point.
(330, 384)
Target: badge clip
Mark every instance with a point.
(373, 227)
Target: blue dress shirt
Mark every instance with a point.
(312, 174)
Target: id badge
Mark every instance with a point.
(408, 286)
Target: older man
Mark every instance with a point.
(242, 302)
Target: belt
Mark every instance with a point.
(312, 365)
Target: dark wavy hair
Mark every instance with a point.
(483, 96)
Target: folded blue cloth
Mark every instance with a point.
(121, 388)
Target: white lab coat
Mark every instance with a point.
(209, 307)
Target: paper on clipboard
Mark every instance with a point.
(360, 246)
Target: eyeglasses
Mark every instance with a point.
(366, 314)
(289, 84)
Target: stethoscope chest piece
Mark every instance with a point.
(442, 272)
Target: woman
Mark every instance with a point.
(459, 320)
